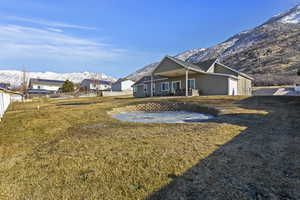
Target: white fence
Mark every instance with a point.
(4, 103)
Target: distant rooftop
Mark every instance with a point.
(97, 81)
(46, 81)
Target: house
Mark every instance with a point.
(175, 77)
(44, 86)
(5, 86)
(95, 84)
(122, 84)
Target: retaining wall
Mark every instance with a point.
(166, 106)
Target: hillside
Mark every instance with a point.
(270, 52)
(14, 77)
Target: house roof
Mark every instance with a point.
(46, 81)
(205, 65)
(185, 64)
(240, 73)
(97, 81)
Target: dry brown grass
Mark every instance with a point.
(79, 152)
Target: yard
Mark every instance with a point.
(73, 149)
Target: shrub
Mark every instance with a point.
(68, 86)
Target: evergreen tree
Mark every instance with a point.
(68, 86)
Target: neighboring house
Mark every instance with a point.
(122, 84)
(44, 86)
(175, 77)
(95, 84)
(5, 86)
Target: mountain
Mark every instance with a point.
(15, 77)
(270, 52)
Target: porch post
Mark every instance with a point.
(187, 83)
(151, 85)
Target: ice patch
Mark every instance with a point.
(162, 117)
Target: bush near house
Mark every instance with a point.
(68, 86)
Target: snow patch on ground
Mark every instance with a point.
(162, 117)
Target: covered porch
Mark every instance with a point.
(181, 82)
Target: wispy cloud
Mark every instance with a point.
(47, 23)
(22, 42)
(55, 30)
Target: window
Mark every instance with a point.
(134, 89)
(192, 84)
(176, 85)
(164, 86)
(145, 88)
(153, 87)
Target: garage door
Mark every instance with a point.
(232, 87)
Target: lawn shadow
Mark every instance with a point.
(262, 162)
(76, 104)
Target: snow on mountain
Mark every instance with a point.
(236, 44)
(291, 16)
(14, 77)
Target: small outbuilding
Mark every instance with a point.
(123, 84)
(95, 84)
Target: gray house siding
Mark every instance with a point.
(167, 65)
(206, 84)
(244, 86)
(116, 86)
(139, 91)
(212, 85)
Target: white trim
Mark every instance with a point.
(192, 79)
(161, 84)
(172, 88)
(232, 91)
(187, 83)
(151, 85)
(154, 80)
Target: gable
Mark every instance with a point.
(167, 65)
(208, 65)
(223, 70)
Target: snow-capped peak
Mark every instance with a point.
(14, 77)
(291, 16)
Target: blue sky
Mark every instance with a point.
(117, 37)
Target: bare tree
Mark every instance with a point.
(24, 81)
